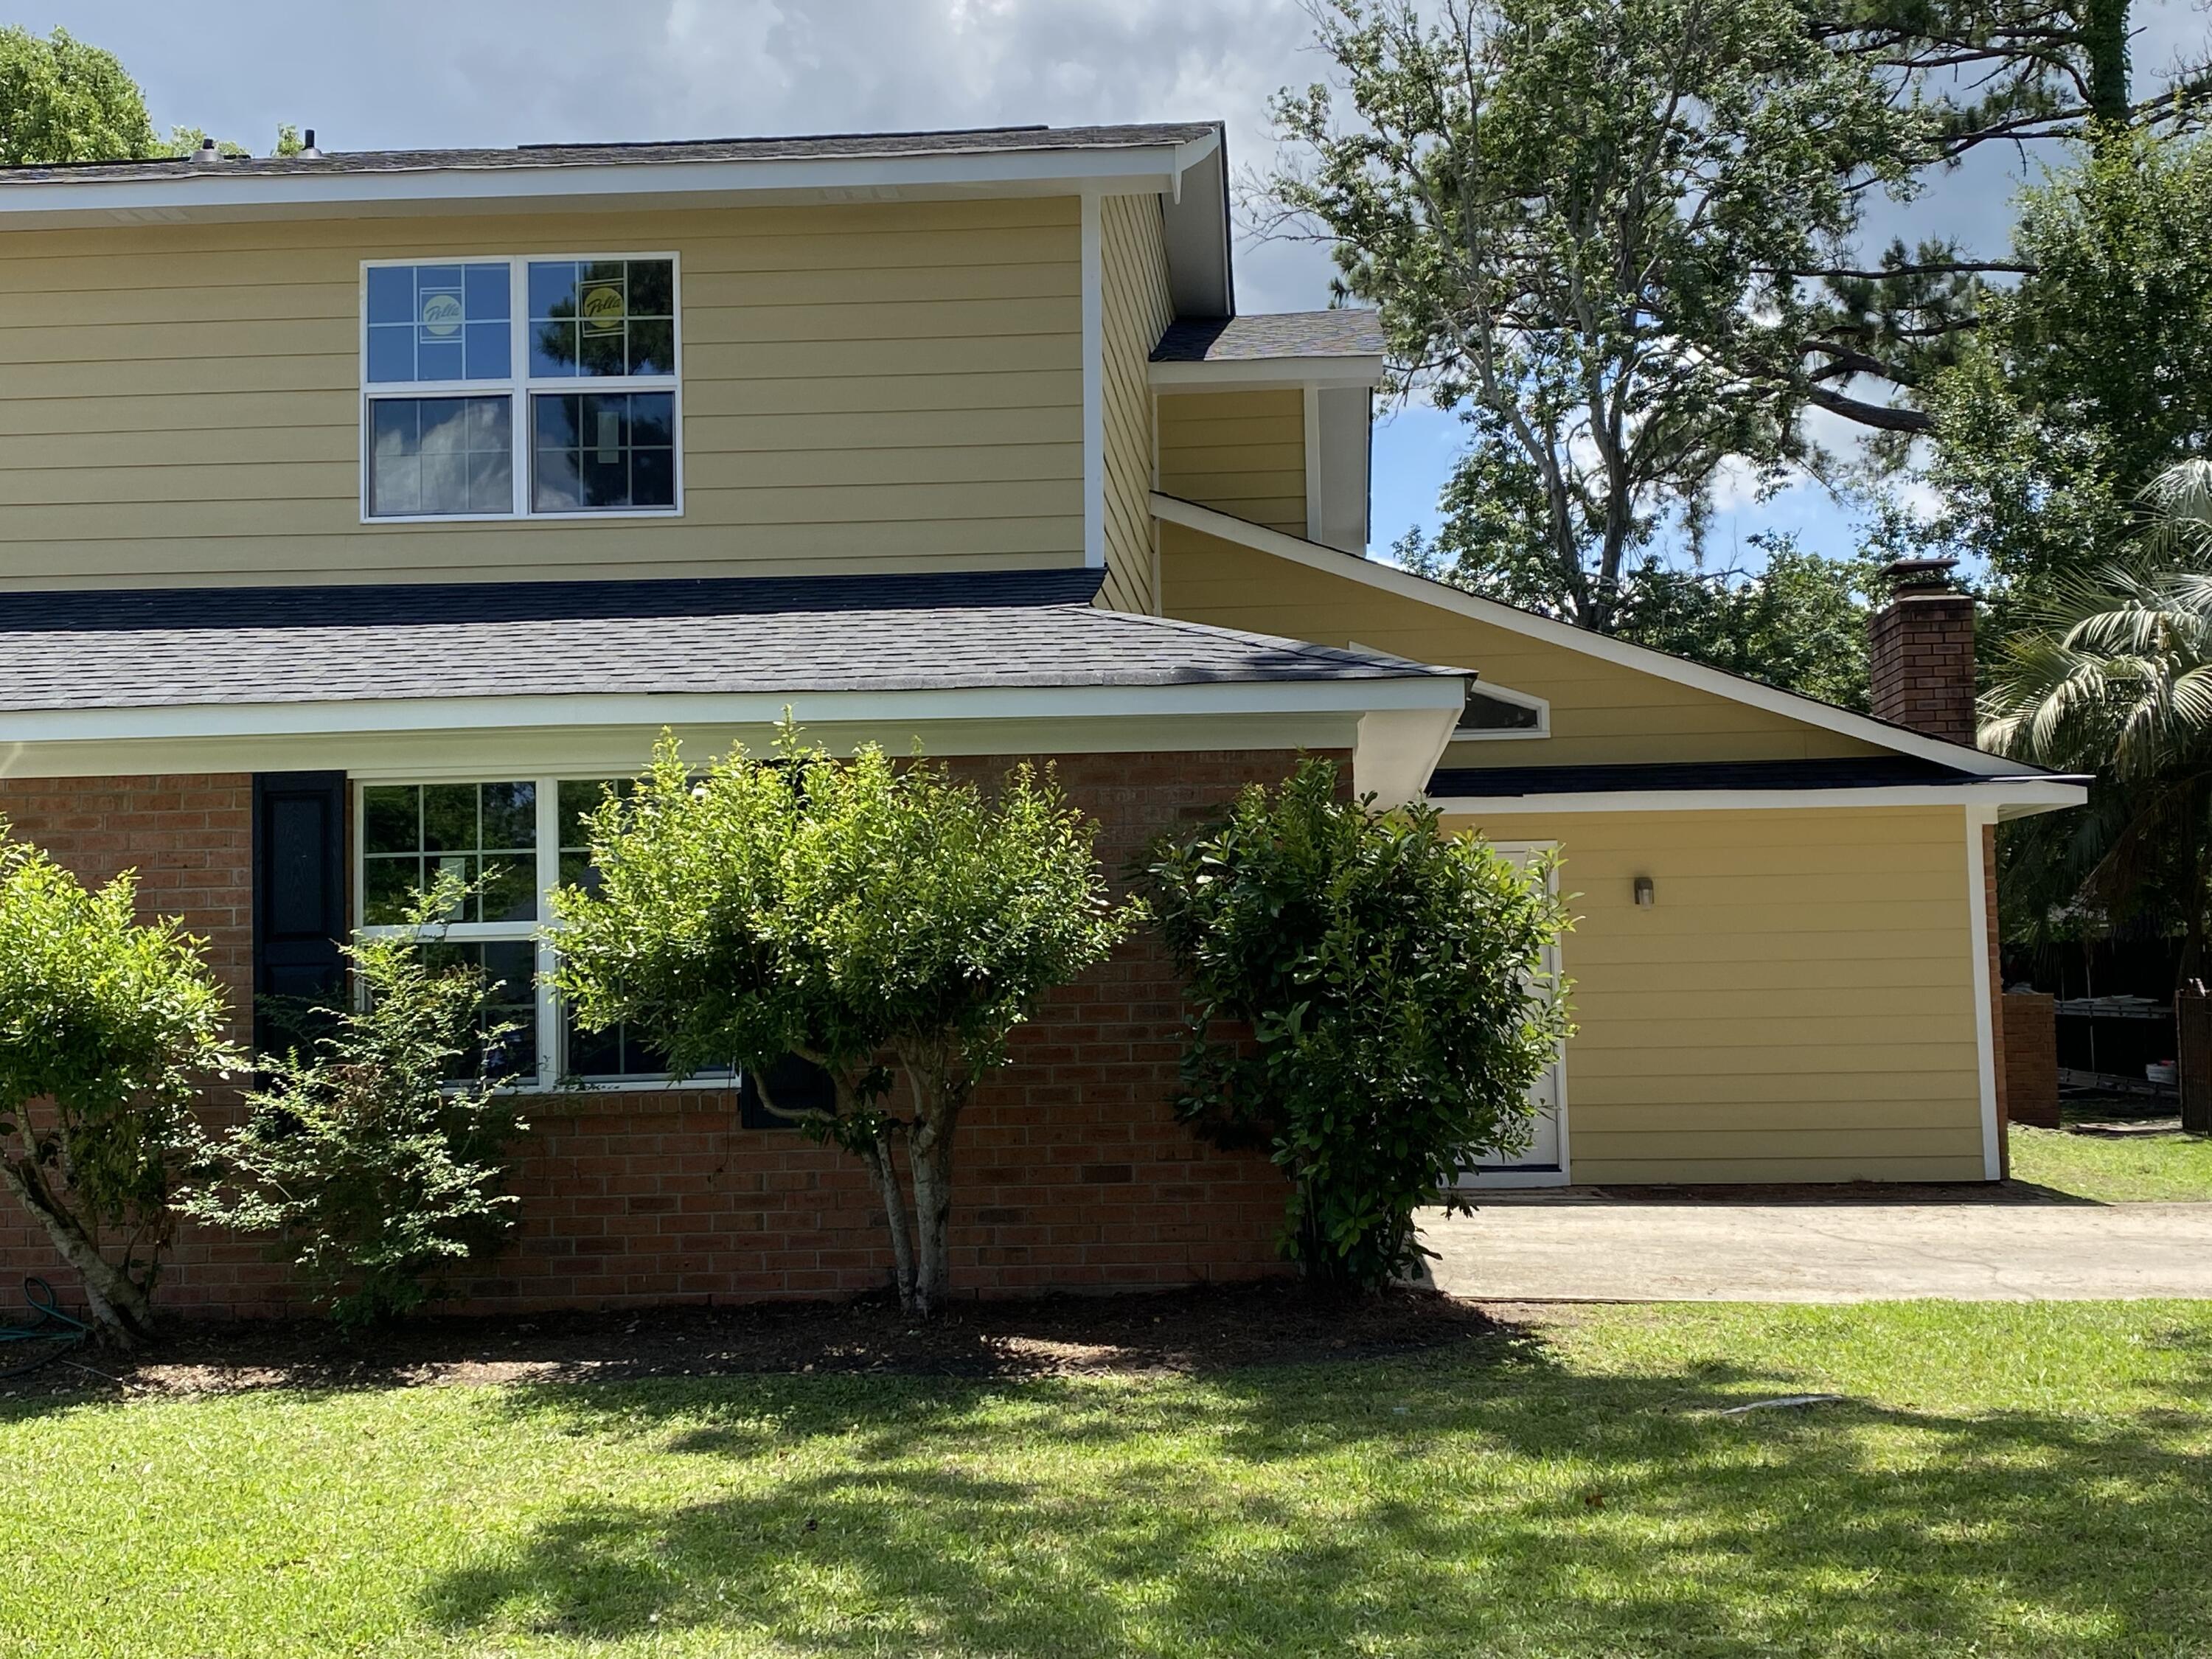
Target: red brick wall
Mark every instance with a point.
(1071, 1170)
(2030, 1058)
(1921, 664)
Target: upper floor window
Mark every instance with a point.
(474, 376)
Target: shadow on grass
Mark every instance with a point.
(1485, 1497)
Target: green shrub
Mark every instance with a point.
(108, 1027)
(1390, 977)
(877, 918)
(375, 1158)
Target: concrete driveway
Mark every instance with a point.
(1573, 1247)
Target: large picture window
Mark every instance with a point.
(474, 377)
(513, 840)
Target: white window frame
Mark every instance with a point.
(1518, 700)
(519, 385)
(543, 933)
(1503, 694)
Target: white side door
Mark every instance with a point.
(1543, 1161)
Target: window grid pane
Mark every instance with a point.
(480, 832)
(601, 451)
(618, 1051)
(439, 323)
(440, 455)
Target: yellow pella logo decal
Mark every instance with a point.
(602, 309)
(441, 313)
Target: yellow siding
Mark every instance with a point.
(1600, 711)
(1239, 453)
(1798, 1005)
(865, 387)
(1136, 308)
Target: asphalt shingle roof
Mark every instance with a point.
(1867, 772)
(1024, 629)
(1283, 334)
(961, 142)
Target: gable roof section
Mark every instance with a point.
(1280, 334)
(103, 650)
(1642, 659)
(839, 146)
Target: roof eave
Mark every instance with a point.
(1241, 373)
(213, 195)
(2006, 798)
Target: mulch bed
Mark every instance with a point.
(1178, 1331)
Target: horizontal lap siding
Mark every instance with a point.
(1240, 452)
(1797, 1004)
(1136, 310)
(1600, 711)
(886, 386)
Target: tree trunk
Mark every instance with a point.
(2103, 27)
(883, 1170)
(930, 1151)
(118, 1304)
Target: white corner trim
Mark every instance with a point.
(1247, 373)
(1985, 1061)
(1309, 427)
(1642, 659)
(1094, 389)
(2004, 801)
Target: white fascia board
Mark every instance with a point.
(2007, 800)
(213, 194)
(1642, 659)
(1066, 703)
(1250, 373)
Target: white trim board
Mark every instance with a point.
(1978, 922)
(1246, 374)
(1093, 384)
(1224, 527)
(2006, 801)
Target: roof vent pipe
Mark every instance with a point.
(309, 148)
(206, 155)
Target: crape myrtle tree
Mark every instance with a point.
(878, 918)
(1373, 1007)
(108, 1028)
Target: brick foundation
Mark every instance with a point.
(2030, 1058)
(1071, 1173)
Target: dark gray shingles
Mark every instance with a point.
(1283, 334)
(1025, 629)
(804, 147)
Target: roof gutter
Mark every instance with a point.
(1395, 726)
(2011, 798)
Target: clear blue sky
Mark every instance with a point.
(483, 72)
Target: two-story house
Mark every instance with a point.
(360, 514)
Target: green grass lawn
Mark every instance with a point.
(2126, 1170)
(2031, 1479)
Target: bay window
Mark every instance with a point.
(529, 387)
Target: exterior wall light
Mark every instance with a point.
(1646, 894)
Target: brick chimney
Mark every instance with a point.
(1921, 651)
